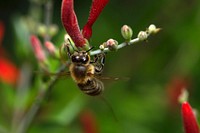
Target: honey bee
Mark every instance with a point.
(84, 71)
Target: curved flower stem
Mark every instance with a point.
(142, 36)
(26, 121)
(98, 51)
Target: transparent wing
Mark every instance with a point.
(112, 78)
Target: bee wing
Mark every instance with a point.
(112, 78)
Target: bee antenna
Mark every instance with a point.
(72, 45)
(89, 49)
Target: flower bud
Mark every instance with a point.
(152, 29)
(50, 47)
(53, 30)
(142, 35)
(67, 38)
(63, 50)
(126, 32)
(42, 30)
(183, 96)
(39, 52)
(86, 46)
(112, 44)
(101, 47)
(69, 42)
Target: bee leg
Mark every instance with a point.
(99, 63)
(98, 57)
(68, 52)
(94, 60)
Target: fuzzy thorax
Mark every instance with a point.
(81, 73)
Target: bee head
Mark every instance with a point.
(80, 58)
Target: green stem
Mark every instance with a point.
(26, 121)
(98, 51)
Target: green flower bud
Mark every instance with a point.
(183, 96)
(53, 30)
(101, 47)
(50, 47)
(63, 50)
(70, 43)
(142, 35)
(126, 32)
(42, 30)
(68, 39)
(86, 46)
(152, 29)
(112, 45)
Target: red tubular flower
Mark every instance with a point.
(88, 122)
(70, 22)
(96, 9)
(189, 120)
(39, 53)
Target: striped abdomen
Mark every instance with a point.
(92, 87)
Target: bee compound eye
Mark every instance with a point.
(84, 59)
(75, 58)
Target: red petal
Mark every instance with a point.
(8, 71)
(96, 9)
(189, 120)
(70, 22)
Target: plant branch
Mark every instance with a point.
(45, 88)
(98, 51)
(28, 118)
(142, 36)
(21, 95)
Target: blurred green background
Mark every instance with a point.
(158, 68)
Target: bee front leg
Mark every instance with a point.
(68, 52)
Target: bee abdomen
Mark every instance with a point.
(92, 87)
